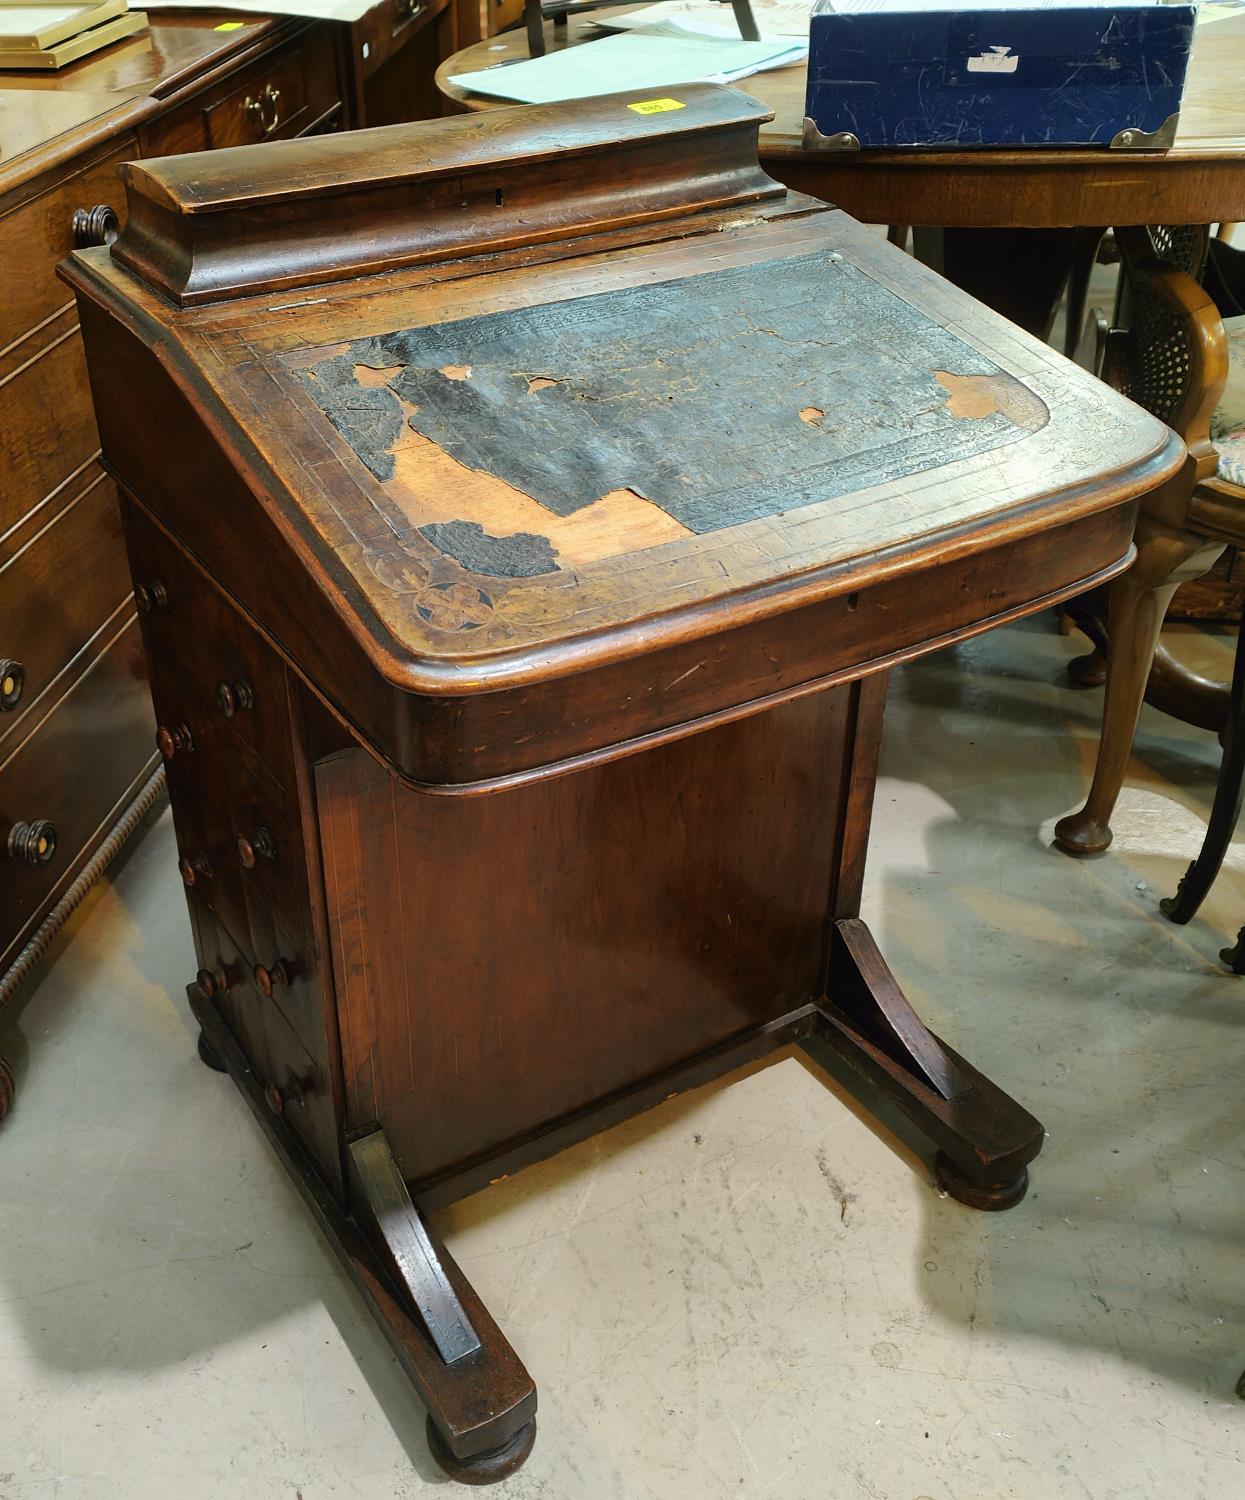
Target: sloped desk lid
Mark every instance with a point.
(578, 435)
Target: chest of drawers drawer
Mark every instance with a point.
(37, 232)
(287, 92)
(47, 425)
(49, 810)
(56, 592)
(388, 28)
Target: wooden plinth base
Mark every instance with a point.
(480, 1399)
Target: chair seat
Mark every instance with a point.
(1227, 428)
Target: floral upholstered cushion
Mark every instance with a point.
(1227, 426)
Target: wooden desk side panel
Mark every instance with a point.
(501, 961)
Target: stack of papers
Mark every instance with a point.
(647, 59)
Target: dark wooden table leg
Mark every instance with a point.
(1167, 555)
(985, 1139)
(481, 1401)
(1225, 810)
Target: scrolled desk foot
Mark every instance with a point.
(976, 1194)
(8, 1087)
(209, 1055)
(1082, 835)
(483, 1468)
(985, 1140)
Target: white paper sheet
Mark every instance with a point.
(631, 60)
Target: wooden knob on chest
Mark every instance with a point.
(170, 741)
(12, 682)
(94, 226)
(259, 846)
(267, 980)
(149, 596)
(233, 697)
(192, 868)
(32, 843)
(212, 982)
(278, 1098)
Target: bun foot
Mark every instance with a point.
(1082, 836)
(209, 1055)
(977, 1194)
(483, 1468)
(1089, 671)
(1233, 957)
(8, 1088)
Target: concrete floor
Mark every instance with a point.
(747, 1292)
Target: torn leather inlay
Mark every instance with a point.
(520, 555)
(721, 398)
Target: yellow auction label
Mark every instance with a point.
(229, 26)
(656, 106)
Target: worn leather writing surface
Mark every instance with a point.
(718, 398)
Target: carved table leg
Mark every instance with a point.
(8, 1087)
(985, 1139)
(1167, 556)
(1225, 811)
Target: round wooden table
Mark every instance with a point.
(1201, 180)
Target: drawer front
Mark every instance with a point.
(390, 27)
(297, 1084)
(55, 594)
(47, 426)
(214, 673)
(283, 94)
(239, 840)
(37, 234)
(70, 773)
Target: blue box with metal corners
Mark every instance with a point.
(1028, 75)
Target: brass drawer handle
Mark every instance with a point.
(409, 9)
(32, 843)
(267, 980)
(269, 117)
(192, 868)
(12, 681)
(170, 741)
(233, 697)
(149, 596)
(261, 845)
(94, 226)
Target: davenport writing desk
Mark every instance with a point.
(523, 510)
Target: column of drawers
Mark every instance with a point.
(75, 718)
(230, 738)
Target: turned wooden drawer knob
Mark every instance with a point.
(94, 226)
(259, 846)
(170, 741)
(149, 596)
(12, 681)
(233, 697)
(212, 982)
(32, 843)
(267, 980)
(278, 1098)
(192, 868)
